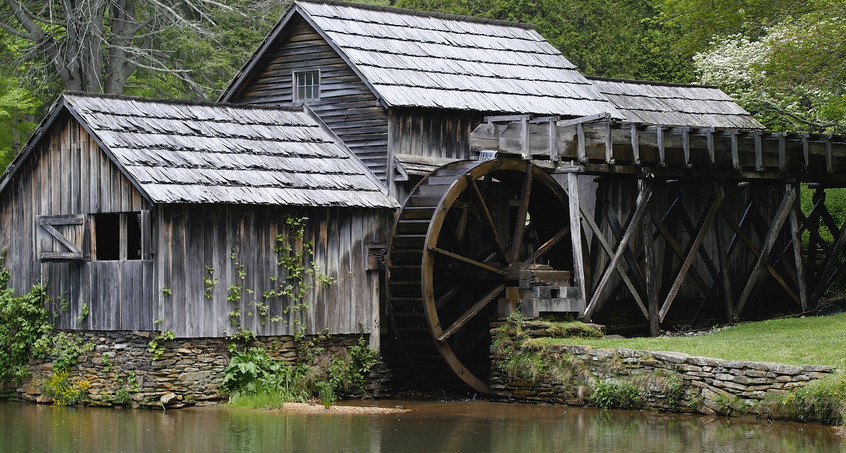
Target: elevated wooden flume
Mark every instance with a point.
(706, 215)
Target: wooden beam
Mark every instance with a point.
(650, 272)
(642, 204)
(576, 235)
(769, 241)
(796, 238)
(805, 149)
(598, 234)
(829, 165)
(553, 139)
(735, 156)
(823, 282)
(609, 144)
(659, 131)
(782, 152)
(759, 155)
(635, 144)
(685, 131)
(709, 143)
(580, 137)
(693, 249)
(725, 274)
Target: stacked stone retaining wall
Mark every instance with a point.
(667, 380)
(121, 370)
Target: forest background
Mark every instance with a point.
(783, 60)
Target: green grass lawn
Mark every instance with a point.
(806, 341)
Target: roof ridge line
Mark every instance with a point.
(185, 102)
(650, 82)
(419, 13)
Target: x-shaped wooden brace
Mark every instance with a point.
(617, 253)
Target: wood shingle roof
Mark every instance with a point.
(675, 105)
(218, 153)
(418, 59)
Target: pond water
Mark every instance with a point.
(464, 426)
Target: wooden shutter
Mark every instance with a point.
(61, 237)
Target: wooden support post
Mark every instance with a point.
(817, 201)
(576, 236)
(824, 278)
(805, 149)
(642, 204)
(796, 238)
(553, 138)
(635, 144)
(769, 241)
(659, 131)
(735, 156)
(609, 144)
(759, 156)
(598, 236)
(524, 137)
(693, 249)
(709, 143)
(375, 320)
(782, 152)
(829, 165)
(686, 146)
(725, 272)
(580, 134)
(650, 273)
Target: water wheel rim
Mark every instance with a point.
(466, 173)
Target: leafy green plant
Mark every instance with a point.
(823, 400)
(66, 349)
(25, 328)
(166, 291)
(613, 394)
(156, 346)
(209, 282)
(326, 391)
(84, 311)
(67, 392)
(675, 391)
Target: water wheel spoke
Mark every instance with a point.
(470, 313)
(448, 296)
(522, 211)
(548, 245)
(466, 260)
(488, 220)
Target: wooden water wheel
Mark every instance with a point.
(461, 239)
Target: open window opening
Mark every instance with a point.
(306, 85)
(117, 236)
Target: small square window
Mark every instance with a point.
(306, 85)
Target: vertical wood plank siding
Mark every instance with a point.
(69, 174)
(346, 105)
(192, 237)
(434, 133)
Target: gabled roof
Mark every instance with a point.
(417, 59)
(216, 153)
(675, 105)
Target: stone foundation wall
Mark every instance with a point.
(120, 370)
(668, 380)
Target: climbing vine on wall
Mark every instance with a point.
(297, 274)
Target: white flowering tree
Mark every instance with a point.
(793, 77)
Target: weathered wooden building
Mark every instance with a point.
(520, 180)
(145, 213)
(402, 86)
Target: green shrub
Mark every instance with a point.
(612, 394)
(66, 349)
(67, 392)
(823, 400)
(25, 327)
